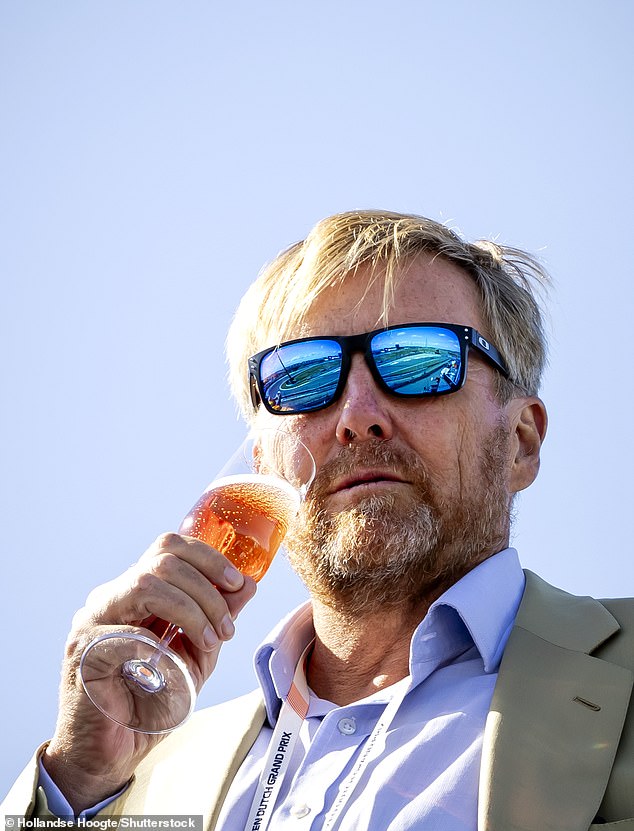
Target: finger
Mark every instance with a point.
(144, 594)
(219, 605)
(187, 600)
(207, 560)
(236, 601)
(178, 579)
(236, 589)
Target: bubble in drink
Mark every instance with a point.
(244, 517)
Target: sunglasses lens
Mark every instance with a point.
(298, 377)
(418, 360)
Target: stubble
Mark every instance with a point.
(397, 548)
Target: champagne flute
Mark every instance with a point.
(137, 680)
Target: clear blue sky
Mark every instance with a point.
(153, 155)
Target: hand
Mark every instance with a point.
(178, 579)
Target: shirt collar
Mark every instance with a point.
(484, 603)
(479, 609)
(275, 660)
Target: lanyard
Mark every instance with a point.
(280, 750)
(284, 740)
(372, 749)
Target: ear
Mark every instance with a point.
(529, 421)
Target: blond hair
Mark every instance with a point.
(508, 281)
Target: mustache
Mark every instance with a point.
(374, 453)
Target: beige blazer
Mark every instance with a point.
(558, 745)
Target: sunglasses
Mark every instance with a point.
(411, 361)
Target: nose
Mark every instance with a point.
(363, 409)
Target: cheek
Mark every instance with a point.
(427, 429)
(314, 431)
(439, 445)
(449, 440)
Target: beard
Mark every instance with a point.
(389, 549)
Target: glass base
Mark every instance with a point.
(147, 676)
(137, 682)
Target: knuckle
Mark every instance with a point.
(98, 595)
(145, 583)
(167, 541)
(164, 564)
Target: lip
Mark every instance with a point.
(364, 478)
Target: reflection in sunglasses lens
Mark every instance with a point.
(302, 376)
(418, 361)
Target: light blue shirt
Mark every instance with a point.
(427, 775)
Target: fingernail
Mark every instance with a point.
(210, 638)
(228, 629)
(233, 577)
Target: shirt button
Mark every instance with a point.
(299, 811)
(347, 726)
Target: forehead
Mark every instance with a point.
(428, 289)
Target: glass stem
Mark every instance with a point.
(168, 636)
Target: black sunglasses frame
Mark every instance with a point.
(467, 337)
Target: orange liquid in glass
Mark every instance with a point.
(245, 518)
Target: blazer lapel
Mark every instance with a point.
(556, 717)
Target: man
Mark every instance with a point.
(445, 689)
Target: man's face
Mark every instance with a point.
(410, 493)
